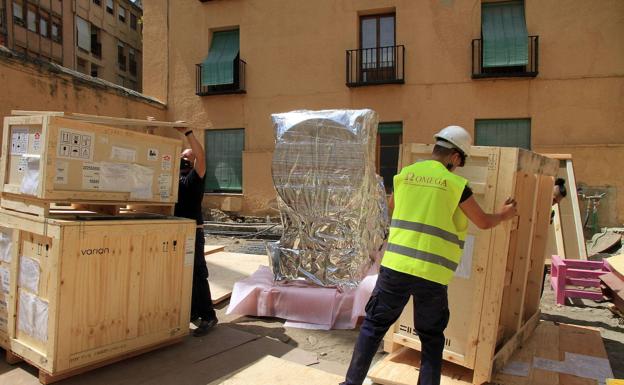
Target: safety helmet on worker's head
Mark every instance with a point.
(455, 135)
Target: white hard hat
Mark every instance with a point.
(455, 135)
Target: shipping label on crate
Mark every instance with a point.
(19, 140)
(164, 186)
(29, 273)
(74, 144)
(91, 176)
(5, 244)
(32, 315)
(5, 277)
(189, 251)
(61, 175)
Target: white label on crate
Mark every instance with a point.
(189, 251)
(74, 144)
(61, 175)
(5, 244)
(142, 181)
(19, 140)
(90, 176)
(22, 164)
(166, 162)
(29, 274)
(152, 154)
(5, 275)
(123, 154)
(164, 186)
(32, 315)
(36, 147)
(3, 305)
(465, 265)
(30, 181)
(3, 323)
(115, 177)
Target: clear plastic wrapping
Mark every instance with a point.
(332, 204)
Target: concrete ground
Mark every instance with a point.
(238, 341)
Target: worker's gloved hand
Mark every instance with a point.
(509, 209)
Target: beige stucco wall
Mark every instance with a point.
(295, 54)
(40, 87)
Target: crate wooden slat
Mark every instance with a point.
(41, 159)
(111, 288)
(496, 303)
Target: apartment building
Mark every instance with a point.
(100, 38)
(536, 74)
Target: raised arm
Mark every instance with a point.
(483, 220)
(198, 150)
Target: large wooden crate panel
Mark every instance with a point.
(495, 290)
(84, 292)
(55, 158)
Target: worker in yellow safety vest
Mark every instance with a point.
(431, 208)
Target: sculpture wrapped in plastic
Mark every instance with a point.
(332, 204)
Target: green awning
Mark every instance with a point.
(218, 67)
(505, 37)
(503, 133)
(390, 128)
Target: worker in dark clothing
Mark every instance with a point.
(431, 207)
(190, 195)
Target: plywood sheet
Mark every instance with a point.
(617, 265)
(227, 268)
(270, 370)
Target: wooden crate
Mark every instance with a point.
(79, 293)
(56, 159)
(494, 296)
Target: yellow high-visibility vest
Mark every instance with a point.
(428, 228)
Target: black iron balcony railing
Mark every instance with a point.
(96, 49)
(236, 87)
(132, 67)
(380, 65)
(529, 70)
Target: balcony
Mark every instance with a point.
(236, 87)
(372, 66)
(528, 70)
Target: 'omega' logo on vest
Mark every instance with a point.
(94, 251)
(425, 180)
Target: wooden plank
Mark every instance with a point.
(209, 249)
(109, 120)
(576, 211)
(276, 371)
(617, 265)
(227, 268)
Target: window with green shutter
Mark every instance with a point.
(389, 138)
(504, 32)
(224, 160)
(503, 133)
(219, 66)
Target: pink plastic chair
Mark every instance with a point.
(576, 272)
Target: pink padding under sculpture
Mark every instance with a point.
(300, 303)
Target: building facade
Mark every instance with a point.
(536, 74)
(100, 38)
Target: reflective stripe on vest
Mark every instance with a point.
(428, 228)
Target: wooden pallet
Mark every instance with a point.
(495, 302)
(549, 344)
(24, 205)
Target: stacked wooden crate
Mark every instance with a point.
(494, 296)
(91, 270)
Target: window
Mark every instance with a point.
(220, 66)
(121, 80)
(94, 70)
(31, 17)
(389, 139)
(224, 160)
(96, 46)
(56, 30)
(83, 32)
(110, 7)
(503, 132)
(377, 41)
(121, 14)
(18, 14)
(505, 37)
(81, 66)
(44, 25)
(132, 64)
(133, 21)
(97, 2)
(121, 56)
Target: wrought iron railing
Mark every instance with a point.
(528, 70)
(379, 65)
(236, 87)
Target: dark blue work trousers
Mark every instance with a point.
(431, 315)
